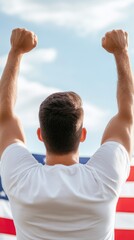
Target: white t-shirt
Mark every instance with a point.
(64, 202)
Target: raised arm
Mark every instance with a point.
(120, 128)
(22, 41)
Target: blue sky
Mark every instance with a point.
(68, 57)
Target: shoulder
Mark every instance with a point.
(112, 149)
(16, 161)
(111, 162)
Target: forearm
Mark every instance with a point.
(8, 85)
(125, 87)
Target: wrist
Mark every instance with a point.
(121, 53)
(15, 53)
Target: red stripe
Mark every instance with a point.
(125, 205)
(7, 226)
(121, 234)
(131, 176)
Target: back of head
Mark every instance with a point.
(61, 120)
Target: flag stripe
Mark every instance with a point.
(7, 226)
(7, 237)
(4, 209)
(131, 175)
(124, 221)
(125, 205)
(127, 190)
(124, 234)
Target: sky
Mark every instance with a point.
(69, 57)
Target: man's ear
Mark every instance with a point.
(39, 134)
(83, 135)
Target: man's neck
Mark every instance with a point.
(67, 159)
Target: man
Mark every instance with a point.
(64, 199)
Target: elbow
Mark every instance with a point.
(127, 116)
(5, 115)
(126, 109)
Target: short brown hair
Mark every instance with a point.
(61, 120)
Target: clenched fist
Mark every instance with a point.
(115, 41)
(22, 40)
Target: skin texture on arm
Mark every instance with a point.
(120, 128)
(22, 41)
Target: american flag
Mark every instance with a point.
(124, 222)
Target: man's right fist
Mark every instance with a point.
(22, 40)
(115, 41)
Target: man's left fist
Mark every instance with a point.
(22, 40)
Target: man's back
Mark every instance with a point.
(64, 202)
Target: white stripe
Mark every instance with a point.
(124, 221)
(132, 162)
(7, 237)
(5, 210)
(127, 190)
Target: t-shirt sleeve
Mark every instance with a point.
(112, 165)
(16, 161)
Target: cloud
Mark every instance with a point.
(38, 57)
(31, 93)
(30, 96)
(95, 117)
(82, 16)
(42, 55)
(34, 58)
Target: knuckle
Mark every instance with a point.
(115, 32)
(23, 29)
(121, 31)
(32, 32)
(107, 34)
(29, 32)
(18, 29)
(14, 30)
